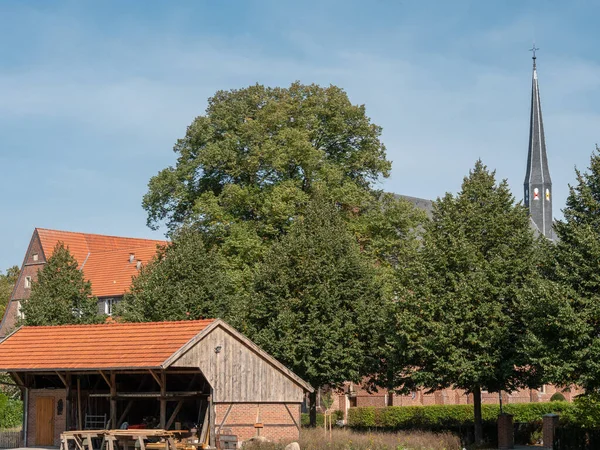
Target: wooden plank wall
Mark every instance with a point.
(11, 438)
(237, 373)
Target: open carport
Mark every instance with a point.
(198, 375)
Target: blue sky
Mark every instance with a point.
(93, 95)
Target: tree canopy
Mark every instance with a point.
(462, 325)
(316, 304)
(60, 295)
(185, 281)
(7, 283)
(249, 166)
(576, 257)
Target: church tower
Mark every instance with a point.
(538, 186)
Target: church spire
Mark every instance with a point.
(538, 185)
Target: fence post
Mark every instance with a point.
(550, 424)
(505, 431)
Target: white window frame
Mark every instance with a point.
(109, 304)
(35, 257)
(20, 313)
(27, 283)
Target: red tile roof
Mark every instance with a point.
(94, 347)
(105, 259)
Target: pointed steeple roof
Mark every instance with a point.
(537, 160)
(538, 185)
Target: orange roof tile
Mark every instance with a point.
(94, 347)
(104, 260)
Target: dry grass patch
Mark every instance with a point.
(316, 439)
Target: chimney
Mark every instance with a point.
(131, 258)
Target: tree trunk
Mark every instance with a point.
(313, 408)
(477, 411)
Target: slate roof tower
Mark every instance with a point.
(538, 185)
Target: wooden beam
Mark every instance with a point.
(163, 399)
(63, 379)
(174, 415)
(168, 395)
(125, 412)
(204, 432)
(212, 438)
(224, 418)
(69, 416)
(79, 412)
(105, 379)
(18, 379)
(158, 380)
(292, 416)
(113, 400)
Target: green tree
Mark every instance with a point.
(7, 283)
(317, 304)
(249, 166)
(185, 281)
(60, 295)
(576, 257)
(462, 324)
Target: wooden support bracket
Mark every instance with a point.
(18, 379)
(292, 416)
(63, 379)
(174, 415)
(157, 378)
(105, 379)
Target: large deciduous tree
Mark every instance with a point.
(185, 281)
(248, 166)
(60, 295)
(317, 303)
(462, 324)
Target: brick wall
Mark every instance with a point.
(448, 397)
(60, 421)
(30, 268)
(278, 424)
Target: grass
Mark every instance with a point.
(316, 439)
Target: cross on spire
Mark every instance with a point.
(533, 49)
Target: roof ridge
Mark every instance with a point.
(106, 324)
(98, 234)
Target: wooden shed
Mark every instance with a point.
(200, 375)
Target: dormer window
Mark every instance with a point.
(35, 257)
(27, 282)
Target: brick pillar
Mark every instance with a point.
(505, 431)
(550, 424)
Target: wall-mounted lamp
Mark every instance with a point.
(218, 349)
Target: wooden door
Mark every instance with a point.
(44, 421)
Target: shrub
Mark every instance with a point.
(438, 417)
(305, 418)
(557, 397)
(11, 412)
(585, 412)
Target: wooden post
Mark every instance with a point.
(163, 399)
(79, 415)
(211, 420)
(113, 400)
(68, 404)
